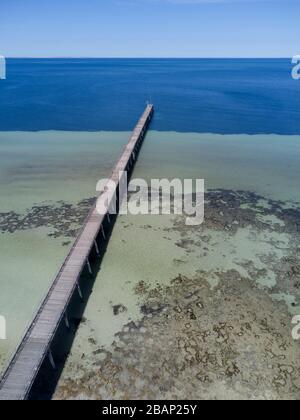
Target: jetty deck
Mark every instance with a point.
(24, 366)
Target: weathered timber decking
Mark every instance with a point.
(25, 364)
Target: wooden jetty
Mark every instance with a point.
(24, 366)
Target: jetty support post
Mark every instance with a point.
(79, 292)
(96, 247)
(51, 360)
(89, 266)
(67, 321)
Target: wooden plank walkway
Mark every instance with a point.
(25, 364)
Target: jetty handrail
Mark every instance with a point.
(43, 339)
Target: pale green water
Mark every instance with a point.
(145, 248)
(266, 164)
(39, 169)
(49, 167)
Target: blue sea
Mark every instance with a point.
(222, 96)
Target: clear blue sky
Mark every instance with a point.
(150, 28)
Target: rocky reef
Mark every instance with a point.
(230, 340)
(62, 218)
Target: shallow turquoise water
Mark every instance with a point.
(57, 169)
(154, 250)
(265, 164)
(37, 170)
(52, 166)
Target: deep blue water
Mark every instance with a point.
(201, 95)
